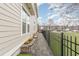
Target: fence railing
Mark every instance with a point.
(69, 45)
(61, 44)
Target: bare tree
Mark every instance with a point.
(67, 11)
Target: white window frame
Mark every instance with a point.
(26, 17)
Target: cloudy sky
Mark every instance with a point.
(46, 13)
(43, 13)
(53, 11)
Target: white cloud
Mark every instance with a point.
(39, 4)
(40, 20)
(60, 9)
(55, 5)
(52, 16)
(60, 22)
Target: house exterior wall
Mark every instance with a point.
(33, 24)
(11, 37)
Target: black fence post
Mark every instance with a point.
(75, 45)
(49, 36)
(71, 45)
(62, 44)
(67, 46)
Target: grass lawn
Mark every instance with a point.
(24, 55)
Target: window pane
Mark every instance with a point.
(23, 22)
(28, 30)
(23, 27)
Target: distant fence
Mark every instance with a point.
(61, 44)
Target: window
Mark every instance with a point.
(23, 22)
(28, 28)
(23, 27)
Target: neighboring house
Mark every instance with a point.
(74, 28)
(18, 23)
(60, 28)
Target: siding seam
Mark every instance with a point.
(12, 9)
(9, 11)
(10, 17)
(9, 21)
(9, 35)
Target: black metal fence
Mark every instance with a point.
(62, 45)
(69, 45)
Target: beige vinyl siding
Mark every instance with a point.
(10, 26)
